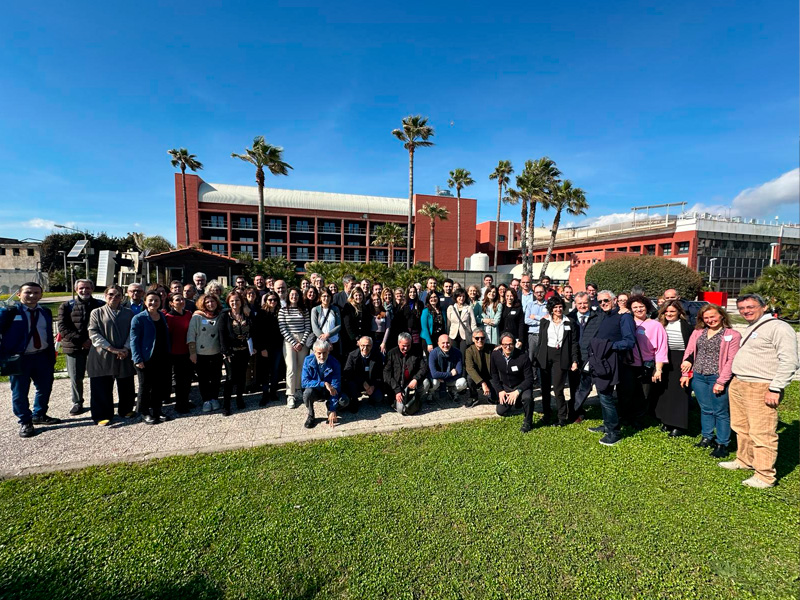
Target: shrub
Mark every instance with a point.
(778, 286)
(654, 273)
(277, 267)
(395, 276)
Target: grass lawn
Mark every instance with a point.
(472, 510)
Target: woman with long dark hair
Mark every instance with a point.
(178, 320)
(380, 323)
(268, 340)
(670, 398)
(412, 315)
(433, 321)
(294, 321)
(355, 321)
(236, 325)
(492, 311)
(460, 321)
(512, 317)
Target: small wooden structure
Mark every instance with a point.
(183, 263)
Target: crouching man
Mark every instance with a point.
(512, 379)
(363, 375)
(321, 381)
(446, 366)
(405, 373)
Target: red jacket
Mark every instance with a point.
(728, 349)
(178, 325)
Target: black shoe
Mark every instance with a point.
(26, 430)
(609, 440)
(226, 411)
(45, 420)
(705, 443)
(76, 409)
(190, 405)
(164, 418)
(240, 404)
(677, 432)
(561, 424)
(526, 427)
(721, 451)
(598, 429)
(310, 423)
(544, 422)
(151, 420)
(664, 428)
(473, 402)
(263, 400)
(181, 410)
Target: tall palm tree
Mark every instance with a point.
(389, 234)
(501, 173)
(459, 179)
(263, 155)
(542, 177)
(414, 134)
(563, 196)
(433, 210)
(181, 158)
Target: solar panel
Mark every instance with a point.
(79, 247)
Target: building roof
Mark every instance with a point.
(175, 253)
(221, 193)
(557, 270)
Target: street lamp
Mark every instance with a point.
(86, 250)
(772, 247)
(66, 275)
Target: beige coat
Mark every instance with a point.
(109, 330)
(465, 325)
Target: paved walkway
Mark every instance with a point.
(77, 442)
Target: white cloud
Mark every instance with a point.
(38, 223)
(607, 219)
(756, 200)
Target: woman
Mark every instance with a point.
(557, 355)
(672, 400)
(380, 323)
(178, 319)
(150, 355)
(294, 321)
(268, 341)
(253, 303)
(311, 298)
(411, 315)
(512, 317)
(214, 288)
(622, 303)
(253, 299)
(460, 322)
(501, 292)
(109, 359)
(355, 321)
(326, 321)
(392, 309)
(492, 310)
(205, 350)
(235, 327)
(162, 293)
(433, 321)
(706, 366)
(645, 364)
(333, 288)
(474, 297)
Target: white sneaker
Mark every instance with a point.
(291, 402)
(756, 482)
(215, 404)
(734, 465)
(206, 406)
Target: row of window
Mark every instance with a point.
(17, 251)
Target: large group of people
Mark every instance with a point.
(363, 342)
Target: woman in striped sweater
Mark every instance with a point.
(294, 321)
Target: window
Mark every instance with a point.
(219, 248)
(502, 238)
(217, 221)
(275, 225)
(246, 222)
(15, 252)
(354, 229)
(683, 247)
(2, 251)
(301, 226)
(622, 249)
(302, 252)
(636, 249)
(328, 227)
(650, 249)
(275, 251)
(329, 253)
(329, 242)
(247, 239)
(302, 241)
(218, 238)
(275, 240)
(247, 250)
(353, 244)
(666, 249)
(30, 251)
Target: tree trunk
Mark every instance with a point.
(458, 229)
(551, 245)
(185, 204)
(497, 229)
(410, 205)
(391, 255)
(524, 235)
(260, 182)
(433, 227)
(531, 224)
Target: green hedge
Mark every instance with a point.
(653, 273)
(395, 276)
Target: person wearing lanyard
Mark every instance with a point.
(326, 321)
(512, 380)
(537, 309)
(557, 355)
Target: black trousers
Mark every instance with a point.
(554, 379)
(461, 344)
(269, 369)
(102, 401)
(182, 372)
(154, 386)
(209, 374)
(235, 374)
(476, 392)
(580, 387)
(632, 394)
(525, 401)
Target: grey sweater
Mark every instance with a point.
(768, 355)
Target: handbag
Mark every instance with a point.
(11, 365)
(648, 366)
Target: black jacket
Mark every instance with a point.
(73, 324)
(266, 332)
(517, 374)
(396, 364)
(227, 338)
(569, 352)
(585, 335)
(513, 320)
(354, 326)
(359, 370)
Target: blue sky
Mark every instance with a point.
(638, 102)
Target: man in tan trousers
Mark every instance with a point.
(765, 364)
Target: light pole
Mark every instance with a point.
(772, 247)
(711, 262)
(66, 275)
(85, 250)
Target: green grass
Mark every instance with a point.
(473, 510)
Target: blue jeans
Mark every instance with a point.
(714, 409)
(608, 406)
(39, 369)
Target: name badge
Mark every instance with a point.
(754, 335)
(513, 312)
(366, 369)
(728, 338)
(514, 368)
(567, 328)
(18, 318)
(640, 331)
(204, 321)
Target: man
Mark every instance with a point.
(446, 299)
(689, 309)
(488, 281)
(430, 286)
(27, 351)
(549, 292)
(177, 287)
(512, 380)
(569, 297)
(591, 289)
(341, 297)
(405, 373)
(613, 340)
(363, 374)
(200, 280)
(476, 361)
(240, 283)
(261, 287)
(320, 285)
(321, 381)
(189, 294)
(282, 291)
(537, 310)
(315, 278)
(135, 299)
(446, 366)
(580, 381)
(762, 368)
(269, 282)
(73, 326)
(514, 285)
(526, 292)
(366, 287)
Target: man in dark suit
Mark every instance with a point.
(580, 381)
(363, 374)
(479, 374)
(512, 379)
(405, 374)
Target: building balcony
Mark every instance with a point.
(350, 257)
(303, 256)
(301, 229)
(268, 227)
(209, 224)
(329, 258)
(244, 226)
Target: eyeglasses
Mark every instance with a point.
(506, 345)
(604, 301)
(479, 338)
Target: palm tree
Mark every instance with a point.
(389, 234)
(501, 173)
(263, 155)
(459, 179)
(433, 210)
(414, 134)
(563, 196)
(542, 177)
(181, 158)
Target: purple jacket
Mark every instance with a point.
(727, 350)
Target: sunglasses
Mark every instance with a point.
(604, 301)
(479, 338)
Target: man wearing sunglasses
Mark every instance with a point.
(477, 360)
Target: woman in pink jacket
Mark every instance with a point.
(707, 368)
